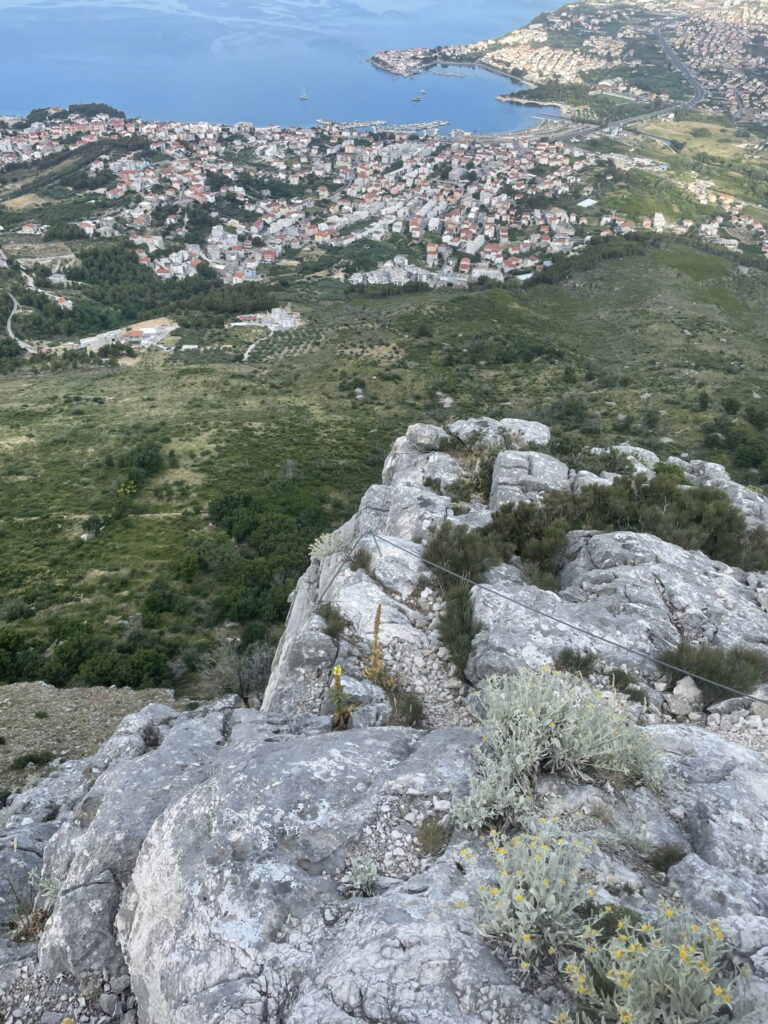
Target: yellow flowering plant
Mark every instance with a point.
(532, 909)
(670, 971)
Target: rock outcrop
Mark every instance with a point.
(200, 868)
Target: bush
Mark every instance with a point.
(741, 668)
(626, 683)
(362, 559)
(572, 660)
(335, 623)
(327, 544)
(407, 707)
(35, 757)
(467, 553)
(695, 518)
(665, 972)
(456, 626)
(538, 721)
(362, 876)
(434, 835)
(535, 904)
(666, 856)
(230, 668)
(18, 659)
(14, 609)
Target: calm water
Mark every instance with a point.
(231, 60)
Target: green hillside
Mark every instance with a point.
(167, 457)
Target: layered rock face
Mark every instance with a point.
(203, 864)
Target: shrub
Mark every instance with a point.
(362, 559)
(537, 721)
(231, 669)
(533, 907)
(335, 623)
(327, 544)
(626, 683)
(741, 668)
(456, 626)
(362, 873)
(477, 479)
(407, 707)
(41, 714)
(35, 757)
(434, 835)
(467, 553)
(570, 659)
(670, 971)
(664, 857)
(696, 518)
(16, 608)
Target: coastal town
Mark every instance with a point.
(247, 201)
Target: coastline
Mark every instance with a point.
(482, 66)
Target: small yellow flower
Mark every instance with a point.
(461, 903)
(624, 1017)
(524, 965)
(551, 950)
(518, 897)
(669, 912)
(590, 892)
(526, 937)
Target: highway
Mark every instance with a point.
(9, 325)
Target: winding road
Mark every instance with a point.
(9, 325)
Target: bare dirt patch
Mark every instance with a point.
(28, 251)
(35, 718)
(160, 321)
(25, 202)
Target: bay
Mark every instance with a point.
(227, 61)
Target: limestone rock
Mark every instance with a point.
(484, 432)
(685, 698)
(525, 476)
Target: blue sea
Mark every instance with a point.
(233, 60)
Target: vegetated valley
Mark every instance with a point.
(200, 479)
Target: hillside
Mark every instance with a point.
(163, 457)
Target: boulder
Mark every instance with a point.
(426, 437)
(525, 477)
(484, 432)
(620, 588)
(409, 466)
(523, 433)
(686, 697)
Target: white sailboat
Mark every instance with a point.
(304, 95)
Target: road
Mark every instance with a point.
(699, 92)
(9, 325)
